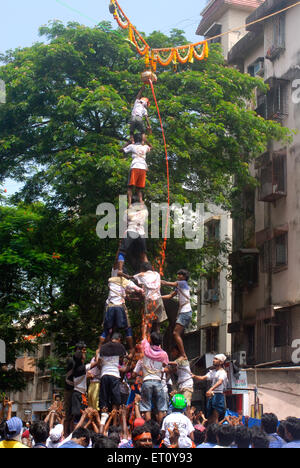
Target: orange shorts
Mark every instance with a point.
(137, 177)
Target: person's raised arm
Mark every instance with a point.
(172, 284)
(9, 411)
(140, 93)
(170, 296)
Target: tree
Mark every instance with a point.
(66, 117)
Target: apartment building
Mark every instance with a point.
(266, 258)
(33, 403)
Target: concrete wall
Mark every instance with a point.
(278, 391)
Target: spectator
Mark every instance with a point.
(292, 431)
(242, 437)
(40, 433)
(101, 442)
(210, 437)
(80, 439)
(141, 437)
(12, 434)
(185, 427)
(225, 436)
(269, 423)
(259, 439)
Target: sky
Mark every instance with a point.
(21, 19)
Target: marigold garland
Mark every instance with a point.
(181, 54)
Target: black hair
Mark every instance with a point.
(115, 437)
(242, 436)
(2, 429)
(146, 266)
(184, 273)
(138, 138)
(137, 431)
(39, 431)
(199, 436)
(211, 433)
(154, 428)
(225, 435)
(269, 423)
(293, 427)
(259, 439)
(281, 430)
(156, 339)
(99, 441)
(80, 433)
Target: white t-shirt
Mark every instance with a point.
(80, 384)
(139, 110)
(183, 291)
(185, 429)
(184, 374)
(118, 288)
(152, 370)
(215, 375)
(136, 217)
(95, 371)
(151, 282)
(139, 153)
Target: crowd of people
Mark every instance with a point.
(177, 429)
(137, 395)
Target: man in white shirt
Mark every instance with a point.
(116, 315)
(150, 281)
(139, 111)
(182, 422)
(216, 405)
(152, 365)
(111, 356)
(138, 168)
(134, 237)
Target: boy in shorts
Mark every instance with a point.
(185, 310)
(139, 111)
(138, 168)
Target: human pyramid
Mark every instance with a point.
(153, 394)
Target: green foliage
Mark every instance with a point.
(66, 118)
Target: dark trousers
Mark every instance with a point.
(109, 392)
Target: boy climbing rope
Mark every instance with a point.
(138, 169)
(140, 111)
(185, 309)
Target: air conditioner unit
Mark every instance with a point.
(240, 357)
(211, 295)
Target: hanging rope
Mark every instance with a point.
(164, 245)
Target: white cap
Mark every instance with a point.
(221, 357)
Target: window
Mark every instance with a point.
(278, 39)
(281, 328)
(250, 333)
(279, 31)
(212, 339)
(280, 250)
(212, 229)
(257, 68)
(272, 176)
(277, 99)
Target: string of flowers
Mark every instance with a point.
(164, 57)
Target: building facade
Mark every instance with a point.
(266, 259)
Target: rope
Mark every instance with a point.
(164, 246)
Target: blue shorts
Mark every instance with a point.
(217, 402)
(116, 317)
(153, 396)
(184, 319)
